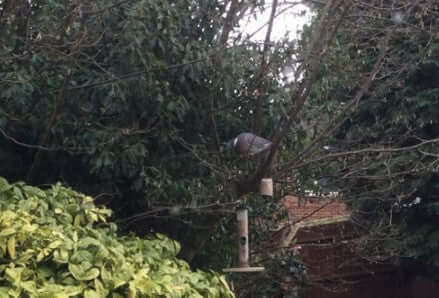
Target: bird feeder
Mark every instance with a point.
(243, 246)
(266, 187)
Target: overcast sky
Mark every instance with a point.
(288, 22)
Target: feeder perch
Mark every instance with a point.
(243, 247)
(266, 187)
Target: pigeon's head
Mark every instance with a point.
(230, 144)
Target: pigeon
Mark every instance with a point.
(249, 144)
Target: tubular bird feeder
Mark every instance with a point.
(243, 245)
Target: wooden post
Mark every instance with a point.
(242, 218)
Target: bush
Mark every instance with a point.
(57, 243)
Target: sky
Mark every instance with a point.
(288, 23)
(292, 19)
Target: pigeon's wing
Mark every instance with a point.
(252, 144)
(261, 145)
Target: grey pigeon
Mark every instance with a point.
(248, 143)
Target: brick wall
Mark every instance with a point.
(334, 269)
(314, 208)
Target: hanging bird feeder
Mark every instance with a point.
(243, 246)
(266, 187)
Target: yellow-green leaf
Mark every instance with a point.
(83, 271)
(11, 247)
(14, 274)
(55, 244)
(77, 220)
(92, 294)
(7, 232)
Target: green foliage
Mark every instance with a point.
(119, 93)
(57, 243)
(131, 101)
(399, 110)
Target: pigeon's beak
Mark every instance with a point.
(227, 145)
